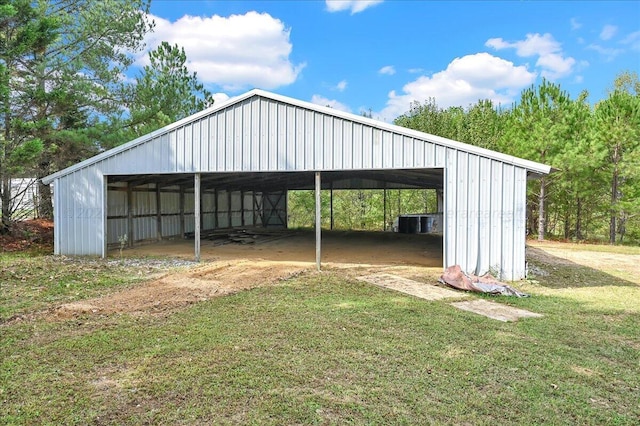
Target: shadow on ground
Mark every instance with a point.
(556, 271)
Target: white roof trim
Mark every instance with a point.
(509, 159)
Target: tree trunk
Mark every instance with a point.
(614, 199)
(541, 213)
(45, 204)
(579, 219)
(5, 225)
(622, 226)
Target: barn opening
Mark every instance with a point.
(150, 208)
(249, 151)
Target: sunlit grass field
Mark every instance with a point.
(317, 349)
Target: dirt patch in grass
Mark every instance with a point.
(177, 290)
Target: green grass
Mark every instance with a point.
(30, 282)
(320, 349)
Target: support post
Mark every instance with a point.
(331, 206)
(158, 214)
(196, 212)
(216, 222)
(229, 211)
(384, 209)
(318, 222)
(182, 211)
(242, 208)
(129, 215)
(254, 201)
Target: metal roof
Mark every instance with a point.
(448, 143)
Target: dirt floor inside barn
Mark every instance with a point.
(343, 247)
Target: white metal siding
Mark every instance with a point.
(484, 194)
(78, 213)
(263, 135)
(485, 208)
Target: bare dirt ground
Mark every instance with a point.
(178, 289)
(231, 268)
(370, 248)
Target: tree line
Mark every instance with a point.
(594, 191)
(67, 92)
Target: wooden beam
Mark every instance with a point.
(196, 212)
(253, 209)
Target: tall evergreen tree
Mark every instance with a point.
(617, 140)
(537, 130)
(63, 63)
(164, 91)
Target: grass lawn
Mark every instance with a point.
(316, 349)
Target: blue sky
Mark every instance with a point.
(382, 55)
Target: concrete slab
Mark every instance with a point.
(496, 311)
(414, 288)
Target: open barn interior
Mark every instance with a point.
(244, 214)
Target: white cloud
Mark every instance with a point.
(321, 100)
(633, 40)
(416, 70)
(388, 70)
(235, 52)
(551, 59)
(219, 97)
(355, 6)
(609, 53)
(341, 86)
(608, 31)
(575, 24)
(465, 81)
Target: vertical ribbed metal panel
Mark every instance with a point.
(248, 209)
(484, 198)
(79, 210)
(484, 215)
(508, 187)
(236, 215)
(223, 209)
(170, 209)
(519, 223)
(495, 248)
